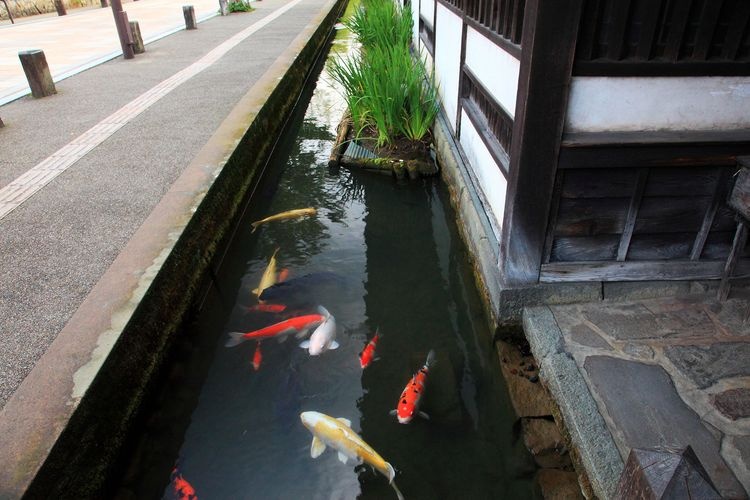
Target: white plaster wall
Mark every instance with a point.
(427, 9)
(599, 104)
(495, 68)
(415, 23)
(448, 60)
(488, 174)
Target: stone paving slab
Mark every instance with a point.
(662, 373)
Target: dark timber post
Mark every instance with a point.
(548, 46)
(223, 8)
(189, 13)
(135, 30)
(60, 7)
(105, 3)
(37, 73)
(123, 29)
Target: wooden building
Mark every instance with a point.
(600, 136)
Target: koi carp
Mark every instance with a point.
(323, 337)
(257, 357)
(269, 275)
(298, 326)
(368, 353)
(182, 489)
(269, 308)
(338, 434)
(283, 275)
(289, 214)
(408, 402)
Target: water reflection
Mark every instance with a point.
(400, 267)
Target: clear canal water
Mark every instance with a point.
(394, 263)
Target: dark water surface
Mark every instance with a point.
(399, 267)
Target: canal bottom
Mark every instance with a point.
(380, 255)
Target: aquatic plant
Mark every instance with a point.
(384, 86)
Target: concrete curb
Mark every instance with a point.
(593, 443)
(61, 431)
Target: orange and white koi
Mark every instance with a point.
(368, 353)
(298, 326)
(408, 402)
(257, 357)
(182, 489)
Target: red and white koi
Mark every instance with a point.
(408, 402)
(298, 326)
(368, 353)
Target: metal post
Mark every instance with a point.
(123, 29)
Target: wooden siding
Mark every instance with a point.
(639, 218)
(491, 121)
(664, 37)
(427, 35)
(499, 20)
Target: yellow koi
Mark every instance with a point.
(338, 434)
(289, 214)
(269, 276)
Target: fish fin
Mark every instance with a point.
(345, 421)
(399, 495)
(323, 312)
(235, 338)
(392, 413)
(317, 447)
(302, 333)
(255, 291)
(343, 458)
(391, 472)
(282, 335)
(424, 415)
(255, 226)
(430, 358)
(377, 358)
(334, 345)
(305, 344)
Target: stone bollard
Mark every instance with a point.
(138, 47)
(189, 12)
(223, 8)
(37, 73)
(60, 7)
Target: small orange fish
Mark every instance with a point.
(257, 357)
(408, 402)
(368, 353)
(269, 308)
(283, 275)
(183, 490)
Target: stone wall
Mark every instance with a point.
(21, 8)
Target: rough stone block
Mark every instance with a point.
(529, 399)
(543, 439)
(558, 485)
(706, 365)
(647, 412)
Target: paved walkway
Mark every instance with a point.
(81, 40)
(658, 373)
(97, 182)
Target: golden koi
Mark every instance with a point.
(289, 214)
(269, 276)
(338, 434)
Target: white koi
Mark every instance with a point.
(323, 338)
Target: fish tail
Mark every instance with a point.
(391, 472)
(255, 226)
(430, 358)
(398, 492)
(235, 338)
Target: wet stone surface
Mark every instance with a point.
(706, 365)
(584, 335)
(648, 411)
(734, 403)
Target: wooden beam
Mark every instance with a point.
(635, 203)
(548, 45)
(554, 209)
(678, 24)
(665, 270)
(617, 29)
(738, 244)
(709, 18)
(649, 24)
(735, 31)
(719, 194)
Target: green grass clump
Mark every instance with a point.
(239, 6)
(383, 85)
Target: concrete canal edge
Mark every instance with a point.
(61, 431)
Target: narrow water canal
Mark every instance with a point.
(384, 256)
